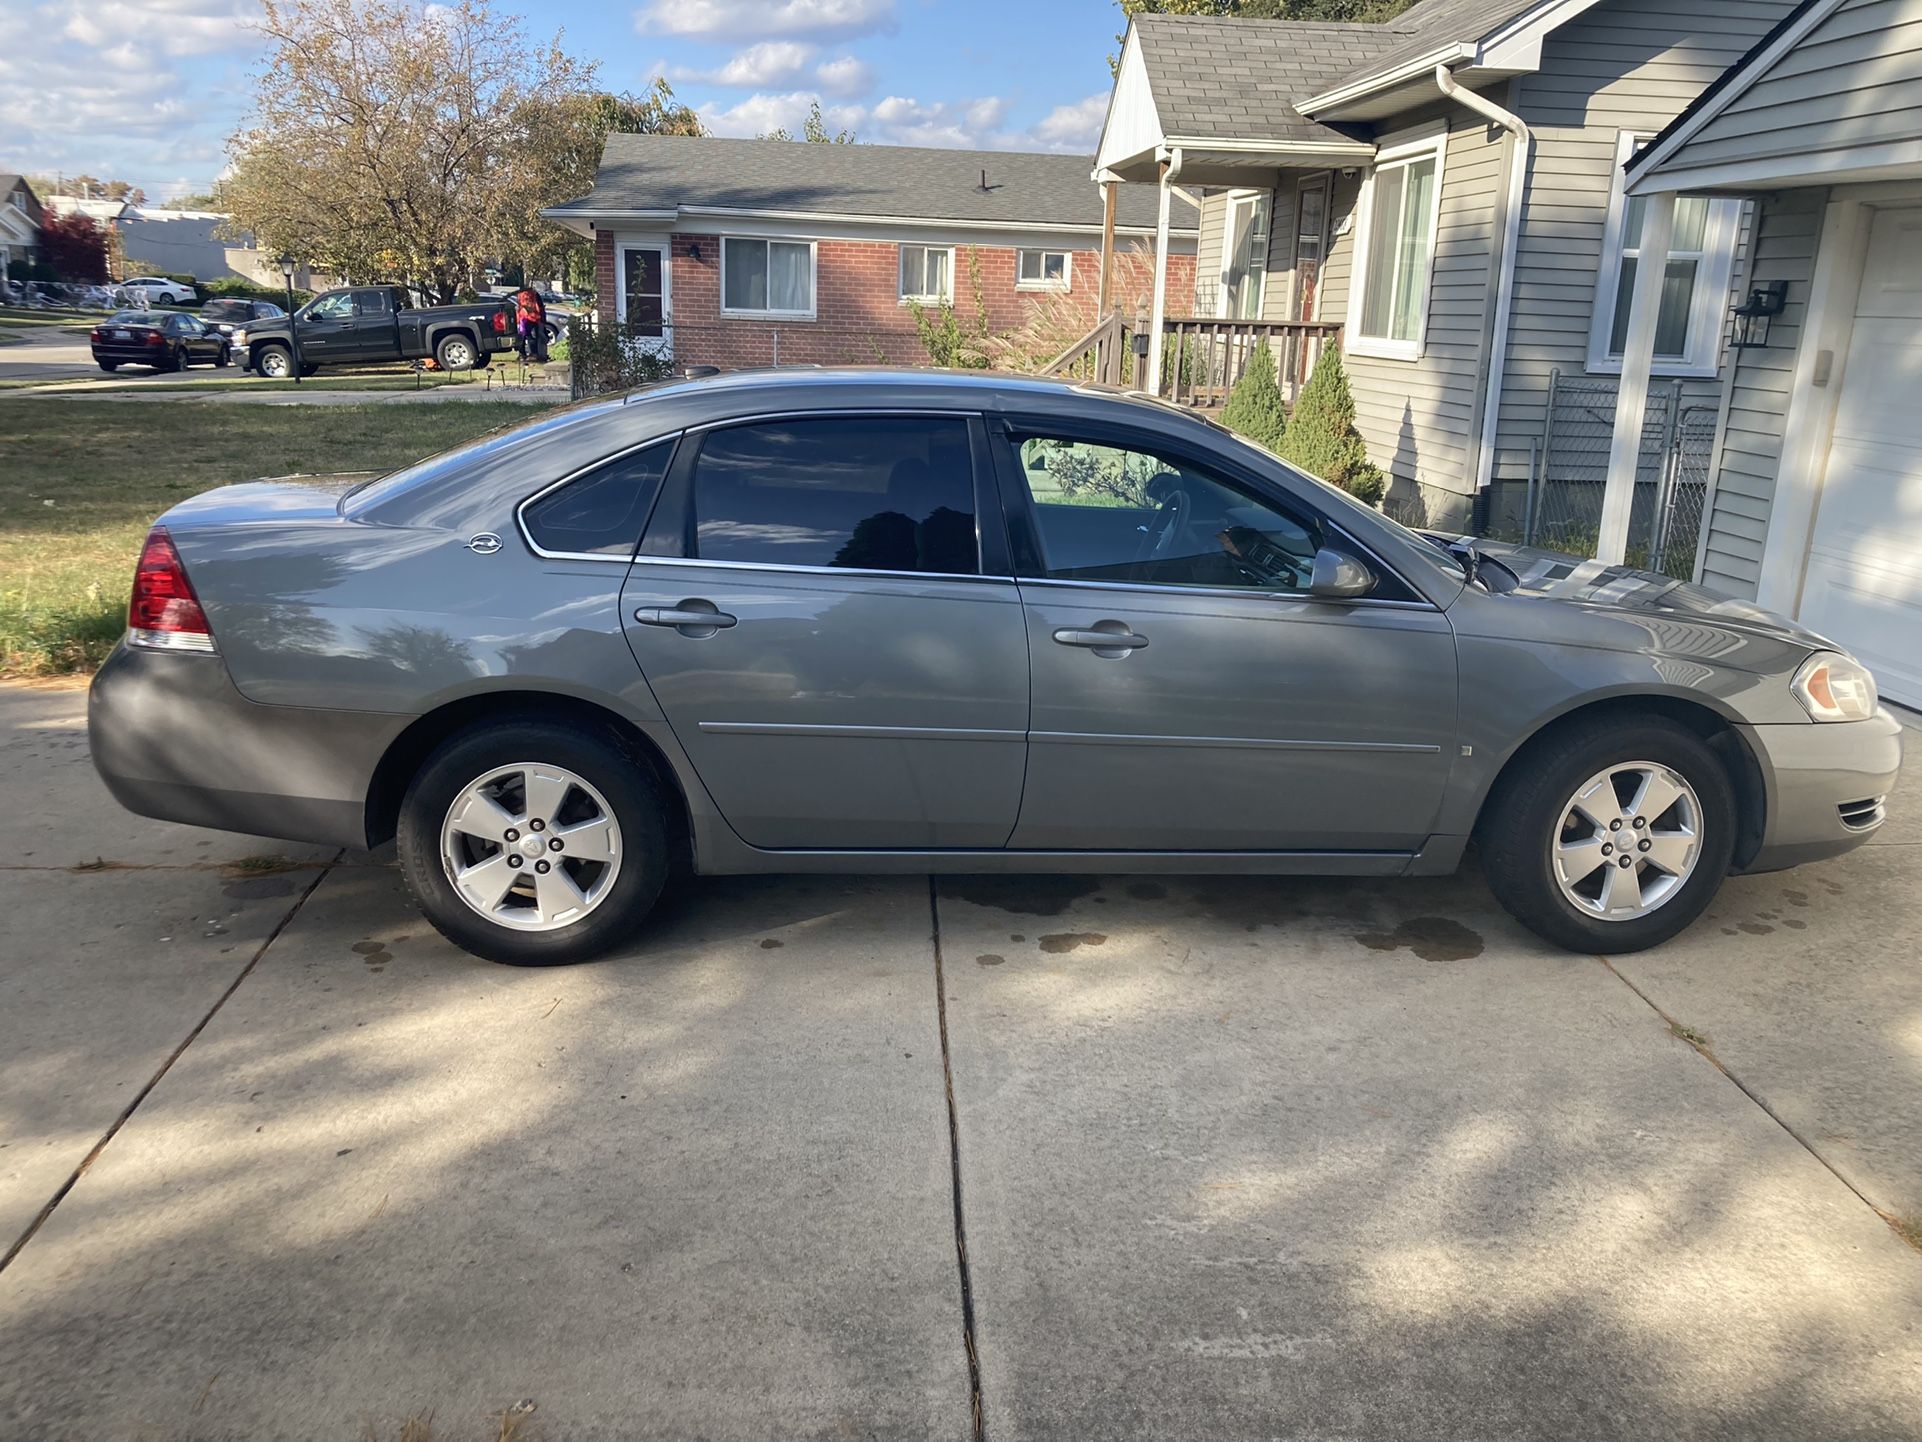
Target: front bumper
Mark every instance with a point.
(1818, 778)
(172, 738)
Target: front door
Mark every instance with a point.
(1189, 694)
(326, 329)
(644, 294)
(810, 609)
(1863, 587)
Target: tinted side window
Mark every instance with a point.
(600, 512)
(370, 302)
(875, 493)
(1110, 513)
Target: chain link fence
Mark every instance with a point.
(1563, 505)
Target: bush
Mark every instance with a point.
(1321, 436)
(1254, 406)
(235, 287)
(606, 360)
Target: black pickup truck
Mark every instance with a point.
(366, 323)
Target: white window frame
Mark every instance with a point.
(1713, 275)
(900, 274)
(814, 276)
(1067, 268)
(1396, 151)
(1253, 200)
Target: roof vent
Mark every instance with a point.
(985, 187)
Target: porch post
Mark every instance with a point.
(1638, 359)
(1160, 309)
(1108, 181)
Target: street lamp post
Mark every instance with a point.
(293, 324)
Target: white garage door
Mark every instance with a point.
(1864, 579)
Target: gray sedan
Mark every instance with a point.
(913, 621)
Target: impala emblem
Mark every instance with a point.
(485, 544)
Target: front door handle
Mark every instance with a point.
(691, 618)
(1111, 639)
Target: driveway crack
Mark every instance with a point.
(979, 1419)
(40, 1219)
(1701, 1046)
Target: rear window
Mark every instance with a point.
(601, 512)
(132, 317)
(875, 493)
(225, 310)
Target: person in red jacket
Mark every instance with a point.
(532, 329)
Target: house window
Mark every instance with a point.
(927, 273)
(1244, 256)
(1695, 282)
(767, 277)
(1042, 270)
(1388, 311)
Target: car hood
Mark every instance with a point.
(1550, 575)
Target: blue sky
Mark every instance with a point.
(148, 90)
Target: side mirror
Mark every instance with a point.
(1339, 578)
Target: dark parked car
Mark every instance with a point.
(917, 622)
(228, 315)
(167, 340)
(368, 323)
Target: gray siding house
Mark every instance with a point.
(1443, 197)
(1815, 506)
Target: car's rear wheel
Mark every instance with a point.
(275, 362)
(534, 843)
(1610, 836)
(110, 365)
(455, 353)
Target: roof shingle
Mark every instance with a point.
(661, 172)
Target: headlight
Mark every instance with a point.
(239, 337)
(1834, 687)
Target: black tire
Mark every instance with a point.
(599, 756)
(457, 353)
(223, 357)
(308, 370)
(178, 360)
(1521, 819)
(274, 362)
(110, 365)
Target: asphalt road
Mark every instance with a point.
(49, 353)
(848, 1157)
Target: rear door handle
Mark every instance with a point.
(685, 616)
(1116, 642)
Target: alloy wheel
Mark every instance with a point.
(531, 846)
(1628, 840)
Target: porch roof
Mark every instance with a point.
(1223, 93)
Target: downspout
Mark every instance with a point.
(1170, 172)
(1505, 281)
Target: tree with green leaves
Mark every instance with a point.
(1254, 406)
(814, 130)
(1321, 436)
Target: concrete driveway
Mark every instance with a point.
(1051, 1158)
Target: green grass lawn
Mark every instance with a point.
(81, 480)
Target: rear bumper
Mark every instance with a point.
(173, 739)
(1819, 779)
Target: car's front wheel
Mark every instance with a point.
(274, 362)
(1611, 835)
(534, 843)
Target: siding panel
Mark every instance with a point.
(1786, 229)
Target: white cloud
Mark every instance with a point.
(1074, 128)
(758, 114)
(844, 76)
(772, 62)
(772, 18)
(164, 27)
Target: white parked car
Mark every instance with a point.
(159, 290)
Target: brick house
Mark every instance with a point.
(758, 252)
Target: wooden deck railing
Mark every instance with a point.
(1206, 355)
(1103, 354)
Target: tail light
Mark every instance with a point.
(165, 613)
(94, 335)
(156, 338)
